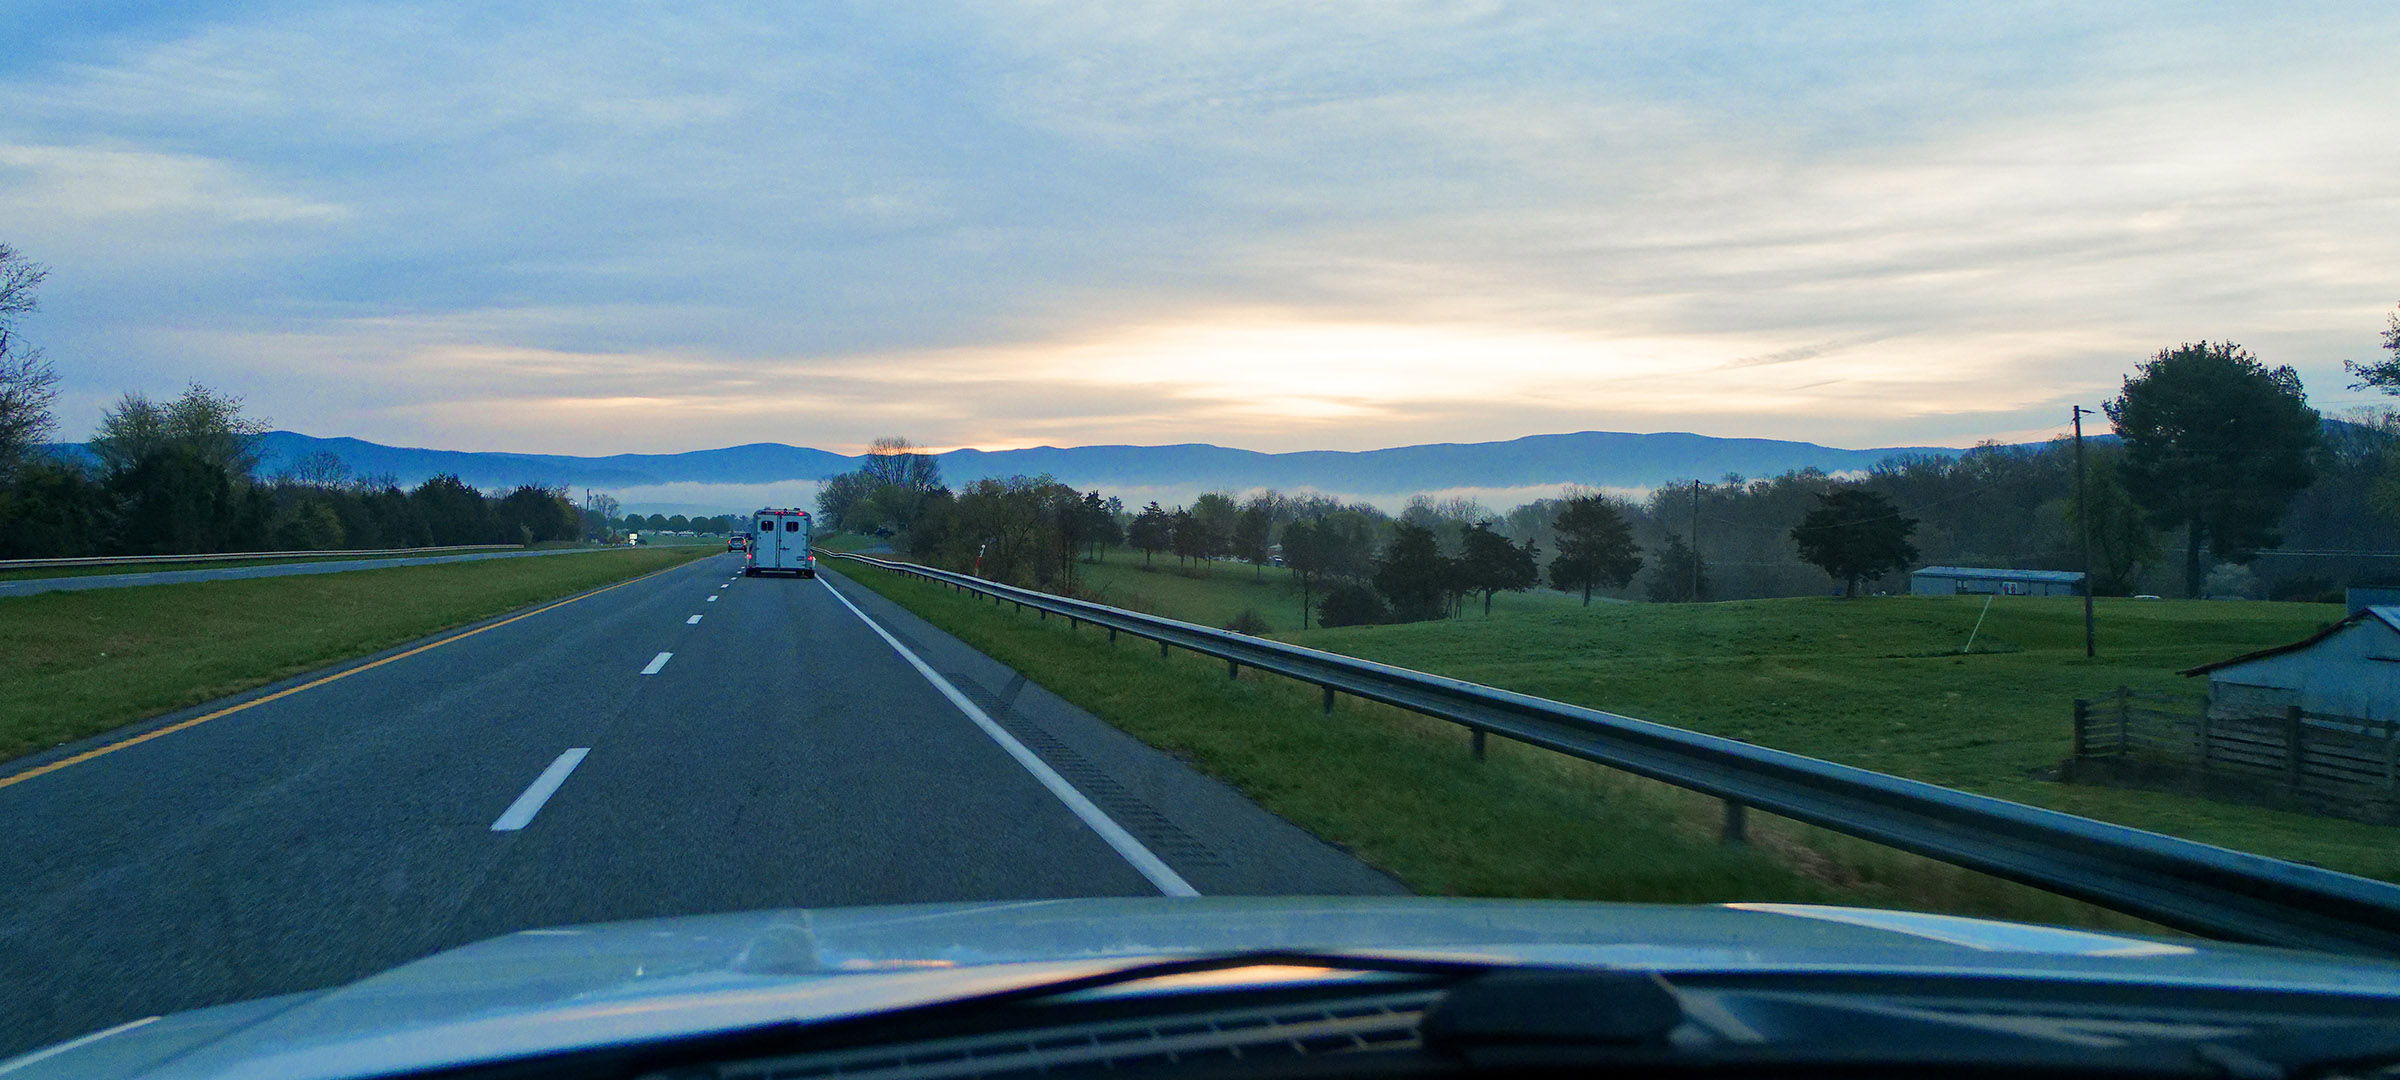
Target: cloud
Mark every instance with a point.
(621, 226)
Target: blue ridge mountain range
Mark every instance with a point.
(1598, 458)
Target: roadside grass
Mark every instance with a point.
(1212, 593)
(1404, 793)
(1878, 682)
(74, 664)
(219, 564)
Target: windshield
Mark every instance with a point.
(1928, 459)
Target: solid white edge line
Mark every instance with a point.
(1144, 861)
(657, 662)
(693, 621)
(520, 813)
(48, 1052)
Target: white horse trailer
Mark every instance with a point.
(779, 544)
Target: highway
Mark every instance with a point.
(30, 586)
(685, 743)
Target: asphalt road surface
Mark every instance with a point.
(30, 586)
(690, 742)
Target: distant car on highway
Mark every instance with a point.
(737, 542)
(779, 544)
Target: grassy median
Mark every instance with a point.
(1404, 793)
(74, 664)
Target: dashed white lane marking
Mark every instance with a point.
(657, 662)
(1146, 863)
(520, 812)
(693, 621)
(712, 599)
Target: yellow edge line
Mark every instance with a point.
(229, 710)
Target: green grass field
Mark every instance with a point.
(1874, 682)
(74, 664)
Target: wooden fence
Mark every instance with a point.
(2335, 764)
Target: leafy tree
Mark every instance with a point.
(1353, 603)
(205, 421)
(894, 461)
(310, 525)
(2381, 375)
(1099, 521)
(1854, 534)
(2218, 444)
(679, 523)
(838, 495)
(454, 512)
(1682, 577)
(1490, 564)
(1595, 547)
(534, 514)
(179, 502)
(1414, 575)
(1187, 536)
(28, 384)
(2122, 540)
(1215, 514)
(1152, 532)
(54, 510)
(1251, 529)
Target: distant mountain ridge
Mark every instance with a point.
(1597, 458)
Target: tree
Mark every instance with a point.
(894, 461)
(1251, 530)
(53, 510)
(2381, 375)
(1682, 577)
(533, 514)
(2122, 541)
(454, 512)
(1099, 522)
(1490, 564)
(1855, 534)
(178, 502)
(321, 469)
(2218, 444)
(1414, 575)
(1595, 547)
(1215, 514)
(1300, 556)
(1152, 532)
(1186, 536)
(28, 384)
(205, 421)
(1353, 603)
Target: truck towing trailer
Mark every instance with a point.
(779, 544)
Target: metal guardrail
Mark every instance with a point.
(2206, 890)
(238, 556)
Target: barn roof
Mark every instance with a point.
(2388, 613)
(2061, 577)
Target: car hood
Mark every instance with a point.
(553, 990)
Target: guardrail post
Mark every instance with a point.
(1737, 824)
(1112, 635)
(1162, 649)
(2083, 716)
(1478, 744)
(1329, 701)
(1233, 669)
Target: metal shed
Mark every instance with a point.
(1976, 580)
(2349, 669)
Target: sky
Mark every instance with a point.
(640, 226)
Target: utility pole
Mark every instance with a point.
(1695, 541)
(2083, 524)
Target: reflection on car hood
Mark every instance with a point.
(542, 991)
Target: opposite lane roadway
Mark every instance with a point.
(687, 743)
(30, 586)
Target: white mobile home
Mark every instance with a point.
(1977, 581)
